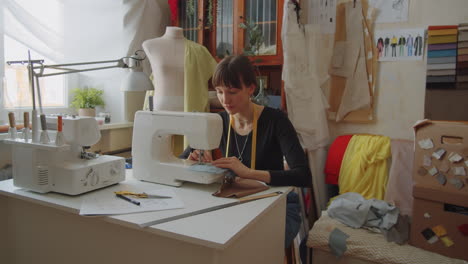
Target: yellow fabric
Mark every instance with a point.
(199, 67)
(442, 39)
(442, 32)
(364, 168)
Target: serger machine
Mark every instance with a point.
(64, 167)
(153, 159)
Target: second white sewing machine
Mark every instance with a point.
(153, 159)
(65, 168)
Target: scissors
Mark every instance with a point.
(142, 195)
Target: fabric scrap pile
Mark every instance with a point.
(375, 215)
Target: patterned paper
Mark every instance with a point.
(439, 230)
(447, 241)
(433, 171)
(439, 153)
(454, 157)
(460, 171)
(427, 161)
(426, 143)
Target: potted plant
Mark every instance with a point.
(86, 100)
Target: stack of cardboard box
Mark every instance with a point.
(440, 208)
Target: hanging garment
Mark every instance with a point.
(400, 179)
(305, 100)
(198, 69)
(304, 97)
(354, 60)
(365, 167)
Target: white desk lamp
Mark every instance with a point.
(134, 85)
(135, 80)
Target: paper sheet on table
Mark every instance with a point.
(106, 203)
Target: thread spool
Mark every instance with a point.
(11, 119)
(59, 123)
(26, 126)
(26, 119)
(43, 122)
(150, 102)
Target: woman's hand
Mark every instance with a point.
(206, 158)
(234, 164)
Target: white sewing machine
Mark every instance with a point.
(47, 167)
(152, 155)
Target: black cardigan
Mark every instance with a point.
(276, 137)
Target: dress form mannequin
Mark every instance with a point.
(166, 55)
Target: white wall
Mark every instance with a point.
(400, 90)
(102, 35)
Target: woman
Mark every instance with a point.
(245, 122)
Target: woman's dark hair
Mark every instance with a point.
(233, 71)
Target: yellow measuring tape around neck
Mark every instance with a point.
(254, 136)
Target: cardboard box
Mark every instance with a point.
(441, 156)
(440, 206)
(433, 210)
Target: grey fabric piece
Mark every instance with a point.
(440, 72)
(442, 60)
(355, 211)
(399, 233)
(441, 178)
(463, 44)
(337, 242)
(381, 216)
(442, 66)
(440, 79)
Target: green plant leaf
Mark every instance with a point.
(87, 98)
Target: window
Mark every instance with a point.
(26, 27)
(16, 89)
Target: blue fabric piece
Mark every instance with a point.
(293, 218)
(207, 168)
(441, 53)
(337, 242)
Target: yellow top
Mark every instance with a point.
(365, 167)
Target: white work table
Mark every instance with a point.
(47, 228)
